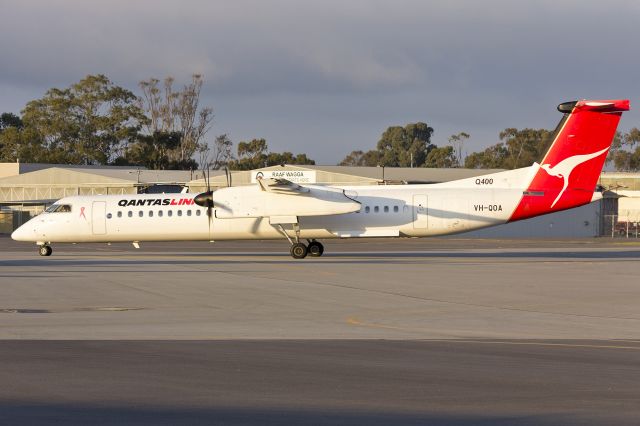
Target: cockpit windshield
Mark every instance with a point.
(59, 208)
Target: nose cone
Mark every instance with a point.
(23, 233)
(205, 199)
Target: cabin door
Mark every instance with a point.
(99, 218)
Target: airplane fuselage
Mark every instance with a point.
(384, 211)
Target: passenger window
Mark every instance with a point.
(197, 212)
(179, 212)
(140, 213)
(376, 209)
(367, 209)
(109, 216)
(386, 209)
(119, 214)
(150, 213)
(395, 209)
(130, 214)
(170, 213)
(188, 212)
(160, 213)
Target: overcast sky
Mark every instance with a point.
(326, 77)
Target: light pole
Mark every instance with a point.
(382, 165)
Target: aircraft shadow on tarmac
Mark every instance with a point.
(18, 413)
(330, 258)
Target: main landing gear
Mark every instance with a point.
(300, 251)
(315, 248)
(45, 250)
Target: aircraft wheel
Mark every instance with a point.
(315, 248)
(298, 251)
(45, 250)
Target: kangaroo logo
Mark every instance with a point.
(564, 168)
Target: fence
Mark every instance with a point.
(613, 227)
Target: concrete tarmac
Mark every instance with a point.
(440, 331)
(380, 289)
(321, 382)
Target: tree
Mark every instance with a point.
(519, 148)
(493, 157)
(275, 158)
(251, 155)
(8, 119)
(616, 146)
(441, 157)
(177, 111)
(87, 123)
(14, 144)
(22, 144)
(525, 146)
(218, 156)
(153, 152)
(632, 138)
(255, 154)
(359, 158)
(354, 158)
(398, 147)
(457, 142)
(405, 146)
(624, 153)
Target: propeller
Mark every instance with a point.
(205, 199)
(227, 172)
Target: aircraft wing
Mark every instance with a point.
(280, 197)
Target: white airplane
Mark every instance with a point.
(279, 209)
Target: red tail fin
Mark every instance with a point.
(569, 171)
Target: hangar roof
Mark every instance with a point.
(243, 177)
(63, 174)
(407, 174)
(60, 176)
(47, 174)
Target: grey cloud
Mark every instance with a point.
(344, 70)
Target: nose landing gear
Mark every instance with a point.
(45, 250)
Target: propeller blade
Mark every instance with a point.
(205, 199)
